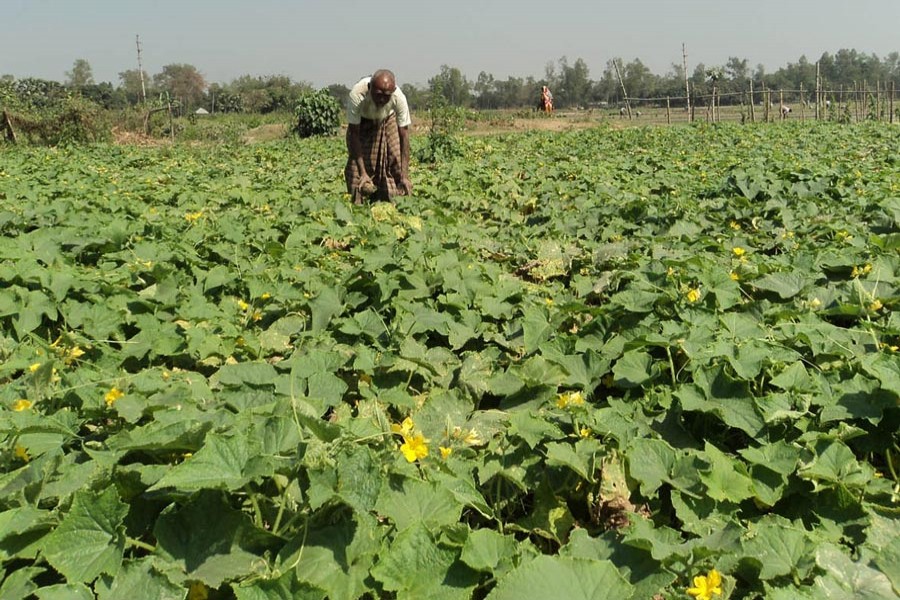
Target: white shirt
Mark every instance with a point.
(360, 104)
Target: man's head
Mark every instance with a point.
(382, 86)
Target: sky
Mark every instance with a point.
(338, 41)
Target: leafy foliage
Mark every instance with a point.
(317, 113)
(635, 358)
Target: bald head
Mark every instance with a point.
(382, 86)
(383, 75)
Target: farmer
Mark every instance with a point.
(546, 99)
(377, 139)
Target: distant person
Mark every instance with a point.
(377, 139)
(621, 112)
(546, 99)
(785, 111)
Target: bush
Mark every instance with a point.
(318, 113)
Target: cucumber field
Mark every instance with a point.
(642, 363)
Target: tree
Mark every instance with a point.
(130, 83)
(737, 70)
(575, 83)
(183, 82)
(452, 85)
(80, 75)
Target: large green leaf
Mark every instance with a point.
(554, 577)
(90, 540)
(415, 566)
(208, 541)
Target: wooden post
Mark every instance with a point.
(7, 125)
(841, 96)
(687, 87)
(781, 103)
(818, 91)
(893, 88)
(668, 115)
(752, 114)
(622, 83)
(766, 103)
(802, 103)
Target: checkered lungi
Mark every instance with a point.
(381, 154)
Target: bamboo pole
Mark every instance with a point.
(622, 83)
(818, 91)
(781, 103)
(668, 115)
(766, 103)
(752, 112)
(802, 103)
(687, 86)
(10, 132)
(893, 88)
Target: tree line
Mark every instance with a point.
(571, 83)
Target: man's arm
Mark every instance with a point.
(354, 148)
(405, 182)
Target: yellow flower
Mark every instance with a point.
(243, 305)
(22, 404)
(445, 452)
(734, 276)
(191, 217)
(112, 395)
(585, 432)
(693, 295)
(256, 316)
(875, 306)
(34, 367)
(198, 591)
(735, 225)
(73, 354)
(472, 438)
(548, 301)
(738, 251)
(569, 398)
(21, 452)
(265, 296)
(706, 586)
(414, 447)
(405, 428)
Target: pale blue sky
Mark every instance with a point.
(337, 41)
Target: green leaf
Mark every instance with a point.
(226, 463)
(486, 549)
(651, 462)
(780, 548)
(138, 579)
(786, 285)
(256, 373)
(90, 540)
(416, 501)
(726, 479)
(845, 579)
(207, 540)
(67, 591)
(415, 566)
(334, 558)
(633, 369)
(570, 578)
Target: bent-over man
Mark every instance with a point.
(377, 139)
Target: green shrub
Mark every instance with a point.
(317, 113)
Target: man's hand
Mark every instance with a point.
(367, 186)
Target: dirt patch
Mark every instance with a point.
(133, 138)
(265, 133)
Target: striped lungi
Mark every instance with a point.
(380, 143)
